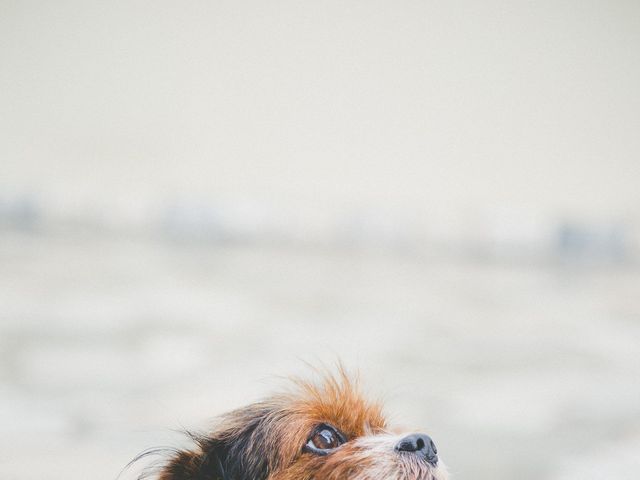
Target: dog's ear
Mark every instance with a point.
(200, 463)
(236, 450)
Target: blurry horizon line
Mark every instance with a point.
(501, 235)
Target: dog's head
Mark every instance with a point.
(320, 432)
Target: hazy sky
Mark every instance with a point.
(442, 107)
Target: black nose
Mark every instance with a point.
(420, 444)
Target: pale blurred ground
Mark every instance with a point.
(519, 371)
(196, 197)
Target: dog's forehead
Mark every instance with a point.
(338, 401)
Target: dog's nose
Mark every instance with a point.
(420, 444)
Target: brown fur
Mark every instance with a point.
(266, 440)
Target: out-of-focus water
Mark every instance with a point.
(108, 342)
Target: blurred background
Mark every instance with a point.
(197, 197)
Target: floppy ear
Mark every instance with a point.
(236, 450)
(197, 464)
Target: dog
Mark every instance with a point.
(317, 431)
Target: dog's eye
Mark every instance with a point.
(324, 439)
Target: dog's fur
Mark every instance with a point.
(269, 440)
